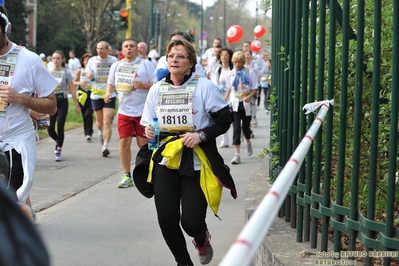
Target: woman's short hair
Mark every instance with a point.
(192, 56)
(86, 55)
(238, 57)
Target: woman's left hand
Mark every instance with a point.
(77, 108)
(190, 139)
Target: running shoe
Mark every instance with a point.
(249, 149)
(88, 138)
(236, 159)
(105, 152)
(58, 156)
(101, 139)
(223, 145)
(205, 252)
(126, 181)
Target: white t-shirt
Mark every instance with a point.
(66, 78)
(91, 67)
(132, 104)
(206, 99)
(220, 79)
(30, 76)
(162, 64)
(73, 66)
(16, 128)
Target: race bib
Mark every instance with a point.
(124, 76)
(58, 74)
(7, 67)
(102, 71)
(175, 111)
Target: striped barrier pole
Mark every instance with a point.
(248, 241)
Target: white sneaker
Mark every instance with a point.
(126, 181)
(249, 149)
(88, 138)
(236, 159)
(223, 145)
(58, 156)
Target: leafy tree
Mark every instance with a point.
(96, 20)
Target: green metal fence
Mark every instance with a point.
(347, 189)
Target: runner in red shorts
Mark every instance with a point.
(131, 78)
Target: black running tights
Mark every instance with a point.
(239, 117)
(171, 189)
(61, 115)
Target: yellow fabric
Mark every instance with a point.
(149, 178)
(208, 181)
(82, 97)
(99, 92)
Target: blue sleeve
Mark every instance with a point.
(161, 73)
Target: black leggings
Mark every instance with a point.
(171, 189)
(246, 120)
(61, 114)
(87, 114)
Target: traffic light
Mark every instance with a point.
(117, 19)
(124, 19)
(157, 24)
(192, 35)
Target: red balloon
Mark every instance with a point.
(259, 31)
(234, 34)
(255, 46)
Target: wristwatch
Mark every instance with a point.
(202, 136)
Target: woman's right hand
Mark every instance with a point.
(148, 132)
(83, 83)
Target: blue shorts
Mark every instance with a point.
(100, 104)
